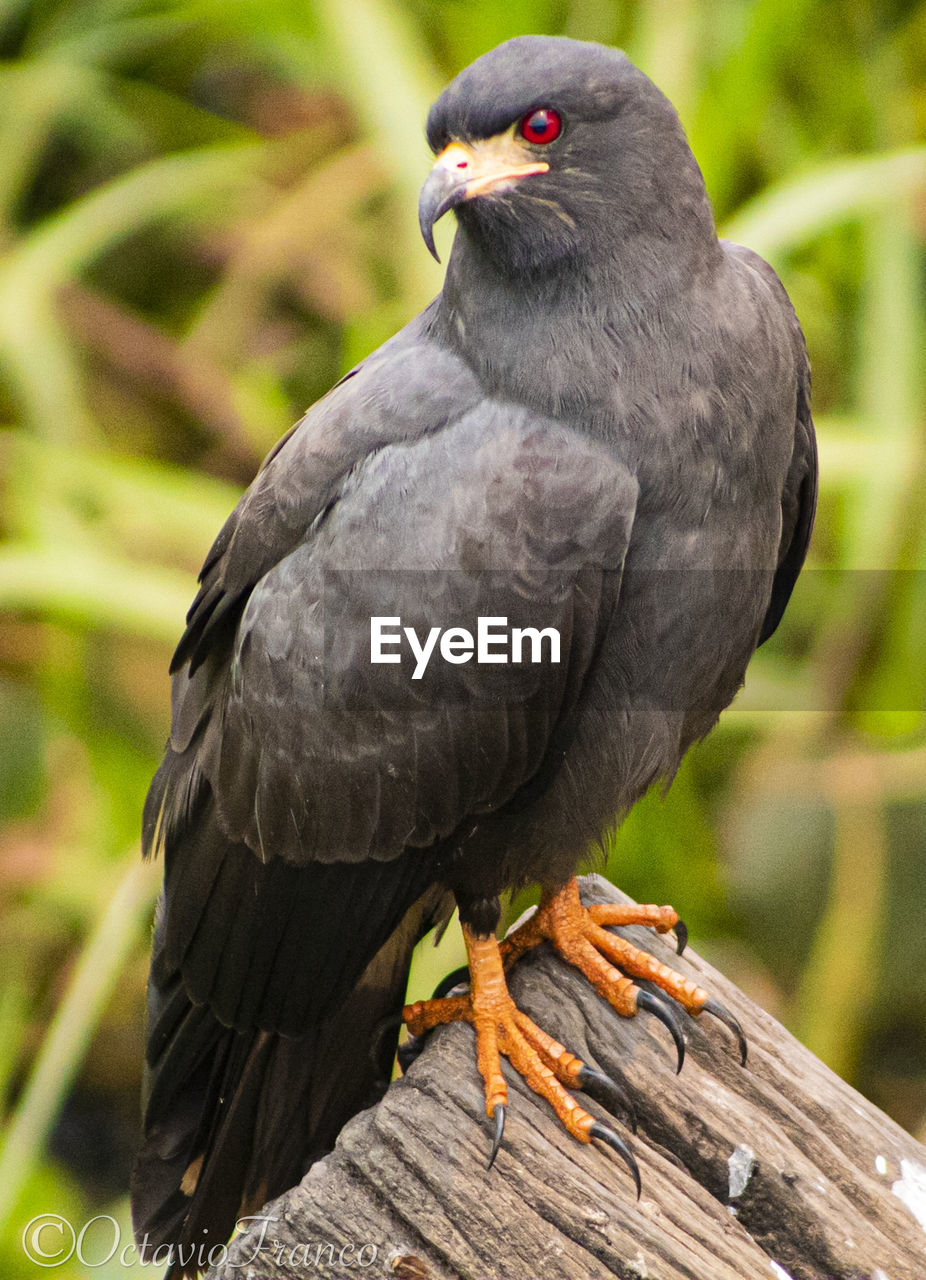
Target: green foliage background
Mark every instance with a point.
(207, 213)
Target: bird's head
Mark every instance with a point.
(550, 149)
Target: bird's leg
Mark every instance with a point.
(502, 1029)
(609, 962)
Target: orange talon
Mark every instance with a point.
(565, 1065)
(502, 1029)
(579, 935)
(609, 962)
(632, 960)
(662, 919)
(424, 1015)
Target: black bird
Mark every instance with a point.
(601, 428)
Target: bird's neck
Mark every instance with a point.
(556, 339)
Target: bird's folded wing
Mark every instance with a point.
(798, 507)
(317, 753)
(408, 388)
(305, 783)
(799, 498)
(320, 753)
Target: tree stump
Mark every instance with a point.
(775, 1170)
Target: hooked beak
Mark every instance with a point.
(462, 172)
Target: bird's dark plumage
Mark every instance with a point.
(602, 426)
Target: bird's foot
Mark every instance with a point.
(611, 963)
(502, 1029)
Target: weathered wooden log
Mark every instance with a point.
(778, 1169)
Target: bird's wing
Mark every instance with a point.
(429, 502)
(325, 755)
(799, 495)
(798, 507)
(394, 395)
(233, 1118)
(303, 783)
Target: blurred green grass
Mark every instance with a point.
(207, 213)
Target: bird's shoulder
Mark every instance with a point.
(767, 299)
(502, 486)
(408, 388)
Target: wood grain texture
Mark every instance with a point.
(826, 1196)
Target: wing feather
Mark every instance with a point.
(306, 792)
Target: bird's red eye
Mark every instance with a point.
(541, 126)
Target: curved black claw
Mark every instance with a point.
(607, 1090)
(393, 1022)
(411, 1049)
(728, 1020)
(668, 1017)
(681, 935)
(451, 980)
(499, 1130)
(606, 1135)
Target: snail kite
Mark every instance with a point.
(599, 429)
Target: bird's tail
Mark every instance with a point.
(234, 1119)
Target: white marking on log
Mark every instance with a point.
(910, 1189)
(741, 1164)
(881, 1165)
(779, 1272)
